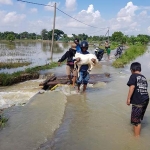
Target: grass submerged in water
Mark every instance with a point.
(9, 79)
(3, 121)
(130, 54)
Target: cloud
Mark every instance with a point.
(51, 6)
(6, 2)
(71, 5)
(21, 5)
(88, 16)
(33, 10)
(127, 12)
(143, 13)
(11, 18)
(130, 19)
(148, 29)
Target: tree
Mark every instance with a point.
(65, 38)
(132, 40)
(10, 37)
(117, 36)
(44, 34)
(143, 39)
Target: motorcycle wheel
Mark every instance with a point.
(100, 57)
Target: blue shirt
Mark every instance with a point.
(84, 67)
(78, 49)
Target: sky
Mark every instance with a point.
(129, 17)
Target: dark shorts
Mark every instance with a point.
(83, 77)
(138, 112)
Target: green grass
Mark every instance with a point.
(13, 65)
(38, 68)
(9, 79)
(130, 54)
(3, 121)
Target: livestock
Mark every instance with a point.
(89, 59)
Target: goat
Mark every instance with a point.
(89, 59)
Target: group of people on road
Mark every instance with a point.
(137, 96)
(83, 77)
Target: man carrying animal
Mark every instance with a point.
(83, 74)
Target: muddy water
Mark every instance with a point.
(98, 119)
(34, 123)
(18, 94)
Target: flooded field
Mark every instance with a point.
(37, 53)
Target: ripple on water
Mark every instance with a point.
(19, 93)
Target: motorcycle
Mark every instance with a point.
(119, 52)
(98, 53)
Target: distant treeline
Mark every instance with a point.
(116, 37)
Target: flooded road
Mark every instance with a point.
(96, 120)
(100, 119)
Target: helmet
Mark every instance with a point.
(84, 44)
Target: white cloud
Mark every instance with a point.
(6, 2)
(88, 16)
(21, 5)
(11, 18)
(144, 7)
(71, 5)
(143, 13)
(33, 10)
(127, 12)
(128, 20)
(51, 6)
(148, 29)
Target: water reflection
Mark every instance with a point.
(36, 52)
(11, 45)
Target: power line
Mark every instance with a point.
(35, 3)
(101, 29)
(75, 18)
(58, 10)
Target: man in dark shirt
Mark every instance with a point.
(137, 96)
(83, 72)
(70, 64)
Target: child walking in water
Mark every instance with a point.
(137, 96)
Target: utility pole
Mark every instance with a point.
(108, 34)
(53, 32)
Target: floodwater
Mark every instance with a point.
(96, 120)
(100, 119)
(37, 53)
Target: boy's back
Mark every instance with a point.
(137, 96)
(140, 92)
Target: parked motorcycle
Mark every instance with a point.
(99, 53)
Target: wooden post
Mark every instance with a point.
(53, 32)
(108, 34)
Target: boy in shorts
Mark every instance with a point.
(137, 96)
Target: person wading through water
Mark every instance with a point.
(70, 64)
